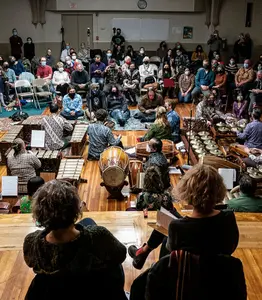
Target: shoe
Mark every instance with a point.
(139, 256)
(143, 120)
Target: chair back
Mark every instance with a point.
(22, 83)
(39, 82)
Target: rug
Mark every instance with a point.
(132, 123)
(29, 108)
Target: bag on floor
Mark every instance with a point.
(19, 116)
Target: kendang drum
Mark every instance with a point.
(136, 176)
(114, 168)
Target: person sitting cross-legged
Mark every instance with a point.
(66, 253)
(95, 100)
(205, 80)
(148, 105)
(247, 201)
(80, 78)
(131, 83)
(117, 106)
(100, 136)
(72, 105)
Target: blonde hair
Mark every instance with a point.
(60, 64)
(161, 118)
(201, 187)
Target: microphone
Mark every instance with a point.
(88, 31)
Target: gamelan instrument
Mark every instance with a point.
(7, 140)
(114, 168)
(78, 140)
(136, 176)
(31, 123)
(70, 170)
(168, 150)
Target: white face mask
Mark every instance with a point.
(68, 62)
(60, 70)
(142, 51)
(148, 148)
(74, 57)
(187, 73)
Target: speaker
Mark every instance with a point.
(249, 14)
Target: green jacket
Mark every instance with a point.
(159, 132)
(246, 203)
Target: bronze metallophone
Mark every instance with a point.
(70, 170)
(31, 123)
(78, 140)
(7, 140)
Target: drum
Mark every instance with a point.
(136, 175)
(168, 149)
(114, 166)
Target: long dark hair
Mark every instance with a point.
(153, 180)
(163, 69)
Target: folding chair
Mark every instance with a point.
(19, 85)
(41, 89)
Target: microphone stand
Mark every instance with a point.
(190, 132)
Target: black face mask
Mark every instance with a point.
(1, 62)
(118, 33)
(206, 67)
(146, 62)
(72, 96)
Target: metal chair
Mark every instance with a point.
(20, 94)
(41, 89)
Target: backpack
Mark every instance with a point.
(19, 116)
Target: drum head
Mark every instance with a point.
(113, 176)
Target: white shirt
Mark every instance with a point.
(64, 54)
(60, 78)
(147, 70)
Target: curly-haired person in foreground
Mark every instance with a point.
(69, 258)
(207, 230)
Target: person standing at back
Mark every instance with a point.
(215, 44)
(16, 44)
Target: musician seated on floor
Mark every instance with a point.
(256, 92)
(157, 158)
(67, 255)
(95, 100)
(240, 108)
(147, 106)
(131, 82)
(173, 119)
(207, 111)
(117, 106)
(100, 136)
(54, 126)
(80, 78)
(33, 185)
(160, 129)
(252, 134)
(113, 76)
(247, 201)
(72, 105)
(22, 163)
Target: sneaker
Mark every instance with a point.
(139, 256)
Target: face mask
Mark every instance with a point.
(114, 91)
(199, 49)
(206, 66)
(219, 70)
(60, 70)
(29, 41)
(178, 47)
(109, 54)
(43, 63)
(83, 47)
(13, 60)
(187, 73)
(118, 33)
(148, 149)
(151, 97)
(141, 51)
(74, 57)
(232, 62)
(72, 96)
(214, 65)
(6, 67)
(15, 33)
(67, 47)
(128, 63)
(259, 68)
(146, 62)
(132, 70)
(94, 91)
(68, 62)
(239, 98)
(246, 66)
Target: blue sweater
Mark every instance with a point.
(18, 68)
(205, 78)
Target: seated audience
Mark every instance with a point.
(167, 72)
(80, 78)
(153, 196)
(258, 64)
(157, 158)
(244, 77)
(113, 76)
(119, 55)
(131, 52)
(161, 128)
(83, 54)
(16, 65)
(61, 80)
(162, 50)
(10, 83)
(97, 71)
(95, 100)
(72, 105)
(117, 106)
(221, 80)
(173, 119)
(252, 134)
(50, 60)
(205, 80)
(3, 80)
(147, 106)
(198, 57)
(240, 108)
(231, 70)
(22, 163)
(75, 60)
(207, 230)
(181, 62)
(186, 84)
(33, 185)
(169, 58)
(256, 92)
(126, 64)
(107, 58)
(54, 127)
(65, 53)
(178, 46)
(69, 65)
(43, 71)
(100, 136)
(66, 253)
(147, 69)
(214, 65)
(140, 57)
(131, 80)
(247, 201)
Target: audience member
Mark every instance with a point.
(167, 72)
(244, 77)
(22, 163)
(215, 44)
(140, 57)
(69, 65)
(256, 92)
(10, 84)
(126, 64)
(169, 58)
(147, 106)
(221, 80)
(113, 76)
(173, 119)
(162, 51)
(178, 46)
(240, 108)
(147, 70)
(131, 53)
(118, 55)
(55, 126)
(16, 65)
(186, 84)
(65, 52)
(1, 61)
(50, 60)
(198, 56)
(107, 58)
(117, 106)
(29, 49)
(3, 80)
(61, 80)
(247, 201)
(131, 80)
(118, 39)
(44, 71)
(258, 64)
(181, 62)
(74, 59)
(72, 105)
(33, 185)
(95, 100)
(231, 70)
(66, 254)
(100, 136)
(80, 78)
(214, 65)
(83, 54)
(16, 44)
(205, 80)
(97, 71)
(161, 128)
